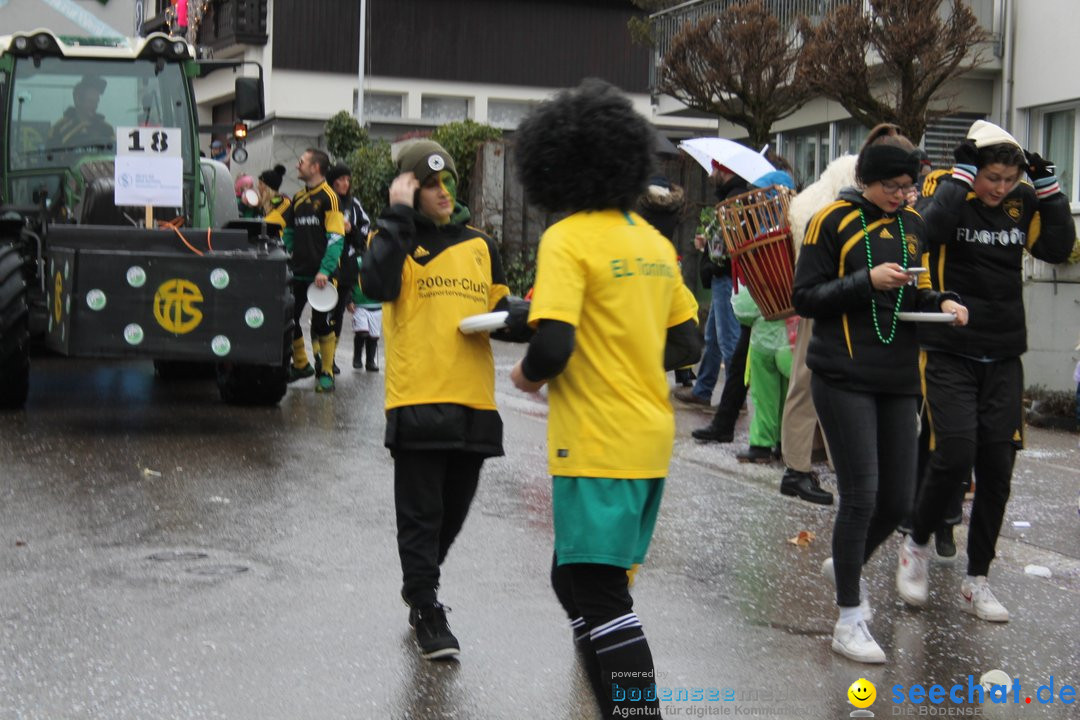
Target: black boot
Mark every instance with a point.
(372, 346)
(358, 352)
(806, 486)
(713, 433)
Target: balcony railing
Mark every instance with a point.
(666, 24)
(234, 22)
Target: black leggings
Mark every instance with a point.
(873, 438)
(433, 490)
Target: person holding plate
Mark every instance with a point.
(430, 270)
(851, 280)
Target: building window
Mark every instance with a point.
(850, 135)
(383, 106)
(1058, 145)
(808, 151)
(507, 114)
(444, 109)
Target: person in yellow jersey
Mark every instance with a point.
(430, 270)
(611, 314)
(314, 236)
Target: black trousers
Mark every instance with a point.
(954, 514)
(977, 421)
(873, 440)
(733, 396)
(433, 490)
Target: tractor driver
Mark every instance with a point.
(82, 124)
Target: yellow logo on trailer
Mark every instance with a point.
(174, 305)
(58, 298)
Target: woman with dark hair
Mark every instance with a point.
(611, 313)
(981, 219)
(852, 278)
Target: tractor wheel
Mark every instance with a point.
(242, 384)
(169, 370)
(14, 331)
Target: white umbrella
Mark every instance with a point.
(741, 160)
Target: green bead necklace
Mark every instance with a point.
(870, 265)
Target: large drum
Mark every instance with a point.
(755, 230)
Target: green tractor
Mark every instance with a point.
(116, 239)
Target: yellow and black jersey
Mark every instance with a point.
(317, 231)
(977, 251)
(279, 205)
(440, 382)
(853, 323)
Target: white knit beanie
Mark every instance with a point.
(987, 133)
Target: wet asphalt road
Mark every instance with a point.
(166, 556)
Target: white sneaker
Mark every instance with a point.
(854, 641)
(864, 595)
(977, 599)
(912, 573)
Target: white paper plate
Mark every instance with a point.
(322, 299)
(250, 198)
(485, 322)
(938, 317)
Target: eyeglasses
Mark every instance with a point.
(890, 188)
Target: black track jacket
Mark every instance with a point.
(977, 251)
(832, 286)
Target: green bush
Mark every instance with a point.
(344, 135)
(372, 173)
(519, 266)
(461, 140)
(372, 170)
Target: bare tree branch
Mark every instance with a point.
(892, 64)
(738, 65)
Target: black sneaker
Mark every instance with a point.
(433, 635)
(944, 544)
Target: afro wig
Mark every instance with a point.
(586, 149)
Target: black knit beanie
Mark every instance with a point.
(881, 162)
(339, 170)
(272, 178)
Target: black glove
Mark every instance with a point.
(517, 321)
(1038, 168)
(966, 153)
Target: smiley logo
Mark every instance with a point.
(862, 693)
